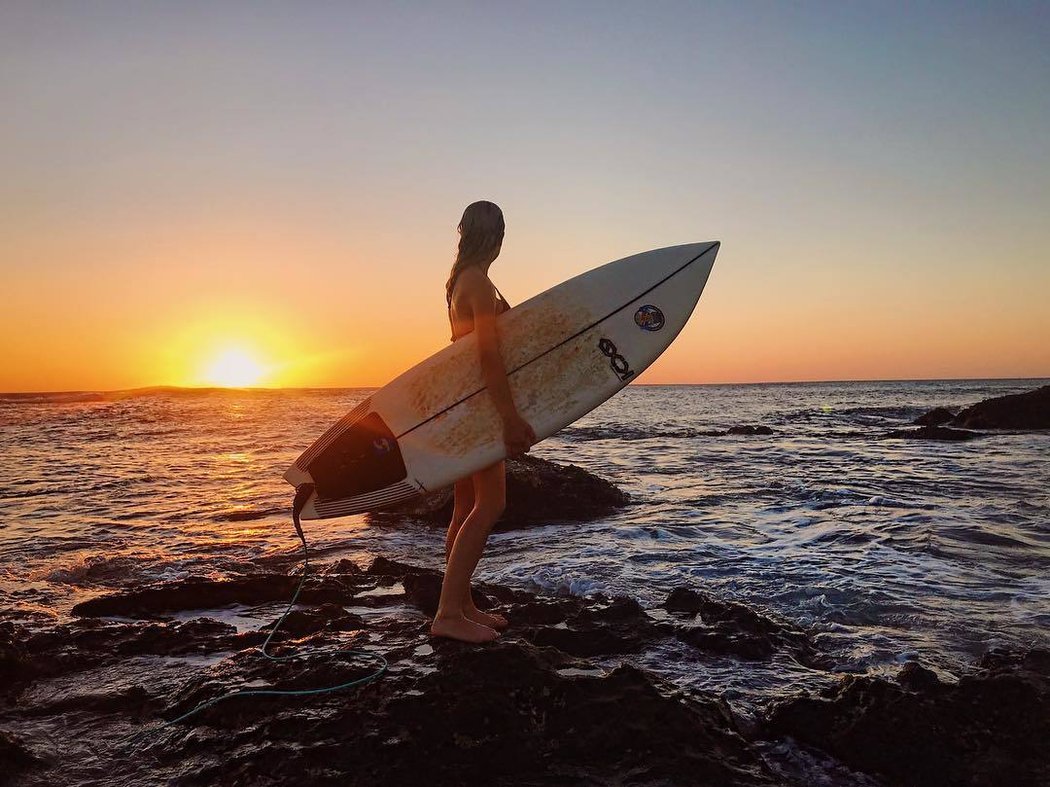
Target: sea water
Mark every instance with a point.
(885, 550)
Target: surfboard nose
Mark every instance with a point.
(704, 249)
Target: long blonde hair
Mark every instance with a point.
(480, 234)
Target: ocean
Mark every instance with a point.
(885, 550)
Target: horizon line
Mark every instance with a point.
(203, 388)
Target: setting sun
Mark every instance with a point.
(234, 368)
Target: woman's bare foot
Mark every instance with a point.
(490, 619)
(462, 629)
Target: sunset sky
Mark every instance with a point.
(268, 192)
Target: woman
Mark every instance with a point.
(473, 304)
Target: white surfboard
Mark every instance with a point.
(566, 351)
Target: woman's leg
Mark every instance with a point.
(463, 503)
(489, 501)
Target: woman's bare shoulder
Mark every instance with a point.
(473, 283)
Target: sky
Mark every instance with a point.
(267, 193)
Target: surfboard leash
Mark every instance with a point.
(302, 495)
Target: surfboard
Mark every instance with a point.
(566, 351)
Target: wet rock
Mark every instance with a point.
(327, 617)
(991, 728)
(915, 677)
(526, 710)
(424, 592)
(209, 594)
(620, 611)
(343, 566)
(14, 757)
(16, 667)
(594, 627)
(935, 417)
(163, 639)
(249, 669)
(932, 433)
(538, 492)
(728, 628)
(1029, 410)
(537, 612)
(103, 701)
(749, 430)
(588, 642)
(385, 567)
(501, 714)
(725, 643)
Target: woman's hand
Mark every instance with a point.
(518, 436)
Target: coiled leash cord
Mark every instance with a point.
(302, 494)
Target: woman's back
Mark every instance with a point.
(460, 312)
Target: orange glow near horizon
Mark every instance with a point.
(338, 319)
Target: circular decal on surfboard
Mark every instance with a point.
(649, 318)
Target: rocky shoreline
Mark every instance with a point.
(555, 701)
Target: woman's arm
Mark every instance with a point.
(517, 433)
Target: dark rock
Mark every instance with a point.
(618, 612)
(343, 566)
(423, 591)
(587, 642)
(915, 677)
(728, 628)
(209, 594)
(594, 627)
(16, 666)
(935, 417)
(327, 617)
(501, 714)
(385, 567)
(749, 430)
(932, 433)
(613, 726)
(537, 612)
(1029, 410)
(104, 701)
(162, 639)
(712, 610)
(989, 729)
(728, 643)
(538, 492)
(14, 757)
(525, 710)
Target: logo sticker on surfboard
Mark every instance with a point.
(649, 318)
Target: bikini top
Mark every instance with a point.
(501, 306)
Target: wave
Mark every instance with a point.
(248, 514)
(588, 433)
(101, 570)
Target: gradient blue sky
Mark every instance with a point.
(288, 177)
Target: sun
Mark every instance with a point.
(234, 367)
